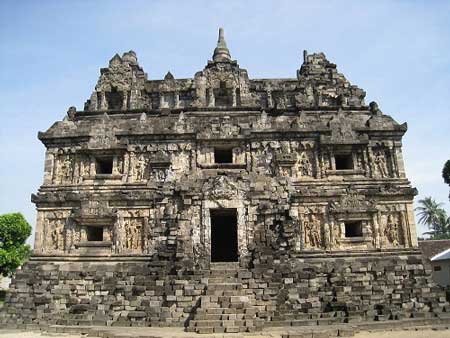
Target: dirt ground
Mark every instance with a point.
(405, 334)
(386, 334)
(16, 334)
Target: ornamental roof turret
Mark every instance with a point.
(222, 83)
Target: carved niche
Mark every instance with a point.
(158, 163)
(69, 166)
(160, 166)
(131, 232)
(394, 228)
(55, 230)
(314, 228)
(137, 163)
(263, 157)
(381, 163)
(305, 166)
(294, 159)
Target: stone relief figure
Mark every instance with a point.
(304, 166)
(263, 122)
(359, 161)
(197, 252)
(118, 235)
(380, 164)
(133, 231)
(130, 162)
(65, 170)
(281, 103)
(140, 166)
(73, 235)
(341, 226)
(327, 236)
(285, 171)
(376, 231)
(391, 230)
(325, 163)
(269, 99)
(85, 167)
(119, 167)
(57, 236)
(312, 231)
(159, 174)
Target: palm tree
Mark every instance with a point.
(432, 214)
(442, 226)
(428, 211)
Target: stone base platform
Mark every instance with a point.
(310, 292)
(330, 331)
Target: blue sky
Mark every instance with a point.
(51, 53)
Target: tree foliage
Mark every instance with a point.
(14, 231)
(431, 214)
(428, 211)
(446, 172)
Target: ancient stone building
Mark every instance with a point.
(223, 203)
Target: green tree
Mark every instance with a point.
(442, 227)
(446, 172)
(432, 214)
(14, 231)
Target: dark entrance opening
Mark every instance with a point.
(224, 243)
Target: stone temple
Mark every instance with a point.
(221, 203)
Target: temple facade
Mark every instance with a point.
(160, 194)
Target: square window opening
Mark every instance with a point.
(343, 162)
(94, 234)
(104, 165)
(223, 155)
(353, 229)
(437, 268)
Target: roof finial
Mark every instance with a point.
(221, 36)
(221, 53)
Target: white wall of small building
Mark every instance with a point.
(441, 277)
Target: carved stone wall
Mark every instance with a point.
(309, 169)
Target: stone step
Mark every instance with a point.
(225, 286)
(223, 275)
(221, 323)
(210, 330)
(217, 310)
(228, 293)
(222, 280)
(224, 266)
(232, 307)
(231, 316)
(227, 298)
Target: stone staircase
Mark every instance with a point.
(226, 305)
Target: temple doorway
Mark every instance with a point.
(224, 241)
